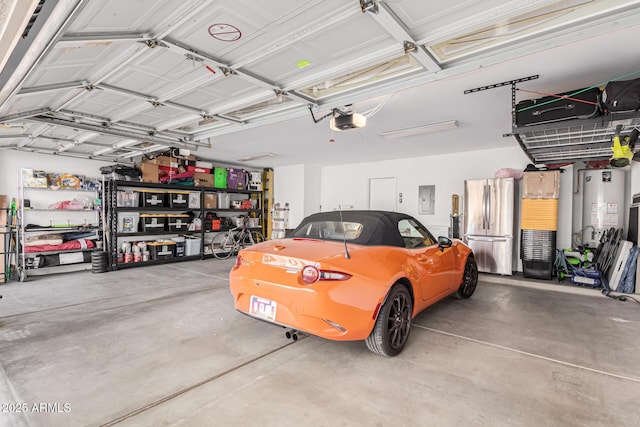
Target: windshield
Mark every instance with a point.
(330, 230)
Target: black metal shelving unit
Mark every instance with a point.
(112, 209)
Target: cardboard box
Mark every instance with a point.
(167, 161)
(541, 184)
(202, 180)
(149, 172)
(210, 201)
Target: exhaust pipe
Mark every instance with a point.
(291, 334)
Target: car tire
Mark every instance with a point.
(391, 329)
(469, 280)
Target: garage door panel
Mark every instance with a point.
(127, 15)
(258, 24)
(210, 96)
(140, 81)
(33, 101)
(156, 116)
(103, 103)
(73, 63)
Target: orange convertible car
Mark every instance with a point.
(352, 275)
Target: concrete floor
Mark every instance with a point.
(163, 346)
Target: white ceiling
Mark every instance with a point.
(231, 79)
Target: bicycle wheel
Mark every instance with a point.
(222, 246)
(246, 240)
(258, 237)
(251, 238)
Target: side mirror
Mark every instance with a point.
(444, 242)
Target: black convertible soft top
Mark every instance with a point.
(380, 228)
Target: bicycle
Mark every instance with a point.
(232, 241)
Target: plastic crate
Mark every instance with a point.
(127, 199)
(179, 200)
(153, 223)
(162, 249)
(153, 199)
(178, 222)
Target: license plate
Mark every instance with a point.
(263, 308)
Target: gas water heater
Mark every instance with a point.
(603, 203)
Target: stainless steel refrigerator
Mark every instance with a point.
(488, 223)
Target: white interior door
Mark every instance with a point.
(382, 194)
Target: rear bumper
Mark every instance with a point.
(349, 303)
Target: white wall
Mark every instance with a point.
(348, 184)
(312, 185)
(11, 161)
(298, 185)
(289, 187)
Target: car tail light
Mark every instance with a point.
(310, 274)
(238, 261)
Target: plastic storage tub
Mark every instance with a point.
(192, 245)
(128, 222)
(224, 200)
(153, 223)
(152, 199)
(179, 200)
(161, 249)
(127, 199)
(194, 200)
(178, 222)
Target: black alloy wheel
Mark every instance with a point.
(393, 325)
(469, 279)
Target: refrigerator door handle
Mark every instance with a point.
(485, 207)
(489, 207)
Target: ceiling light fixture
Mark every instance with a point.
(419, 130)
(256, 157)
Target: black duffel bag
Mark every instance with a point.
(577, 104)
(619, 96)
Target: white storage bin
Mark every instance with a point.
(128, 222)
(127, 199)
(224, 200)
(194, 200)
(192, 245)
